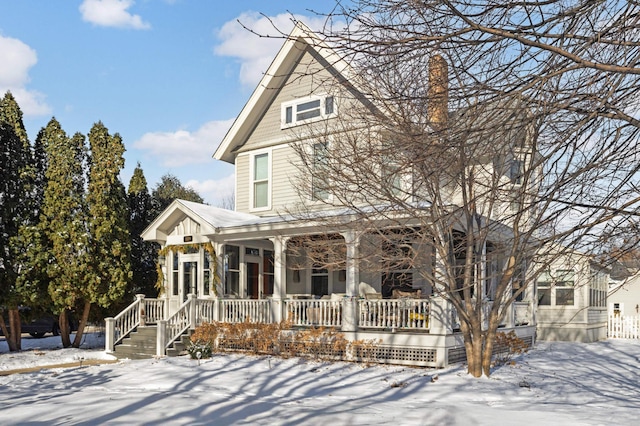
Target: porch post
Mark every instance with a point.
(279, 277)
(142, 310)
(350, 311)
(110, 334)
(219, 280)
(162, 261)
(192, 310)
(161, 337)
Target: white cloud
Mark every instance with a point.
(256, 53)
(17, 58)
(112, 13)
(180, 148)
(216, 192)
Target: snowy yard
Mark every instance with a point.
(556, 383)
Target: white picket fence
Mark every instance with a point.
(624, 327)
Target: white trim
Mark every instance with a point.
(322, 97)
(252, 156)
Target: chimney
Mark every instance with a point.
(438, 94)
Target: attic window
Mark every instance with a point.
(307, 109)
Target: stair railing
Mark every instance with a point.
(118, 327)
(172, 328)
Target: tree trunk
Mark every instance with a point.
(494, 320)
(8, 335)
(83, 322)
(65, 330)
(16, 328)
(473, 347)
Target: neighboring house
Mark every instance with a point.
(624, 297)
(236, 265)
(572, 298)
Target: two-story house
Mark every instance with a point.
(256, 262)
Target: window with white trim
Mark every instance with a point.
(557, 289)
(260, 180)
(319, 178)
(308, 109)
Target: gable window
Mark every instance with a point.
(307, 109)
(260, 181)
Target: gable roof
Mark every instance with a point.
(209, 218)
(291, 51)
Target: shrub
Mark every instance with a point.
(199, 349)
(506, 346)
(277, 339)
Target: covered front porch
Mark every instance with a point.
(222, 266)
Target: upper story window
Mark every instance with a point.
(260, 182)
(516, 171)
(307, 109)
(319, 179)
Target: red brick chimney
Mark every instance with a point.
(438, 94)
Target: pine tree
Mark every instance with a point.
(169, 189)
(62, 230)
(143, 253)
(15, 183)
(108, 224)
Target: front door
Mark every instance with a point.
(253, 280)
(189, 275)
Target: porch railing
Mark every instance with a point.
(175, 325)
(118, 327)
(153, 309)
(321, 313)
(241, 310)
(394, 314)
(205, 311)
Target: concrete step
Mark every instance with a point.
(149, 330)
(141, 344)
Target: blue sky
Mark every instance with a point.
(168, 75)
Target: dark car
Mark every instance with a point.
(39, 325)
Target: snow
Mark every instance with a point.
(555, 383)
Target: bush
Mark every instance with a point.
(199, 349)
(506, 346)
(277, 339)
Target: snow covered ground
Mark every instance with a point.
(554, 384)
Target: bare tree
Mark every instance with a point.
(476, 134)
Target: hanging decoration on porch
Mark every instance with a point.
(184, 248)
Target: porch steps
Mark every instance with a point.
(179, 347)
(141, 344)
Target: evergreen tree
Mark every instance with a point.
(143, 253)
(32, 244)
(169, 189)
(15, 183)
(110, 245)
(63, 236)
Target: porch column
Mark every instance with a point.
(441, 311)
(162, 261)
(218, 290)
(350, 311)
(279, 277)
